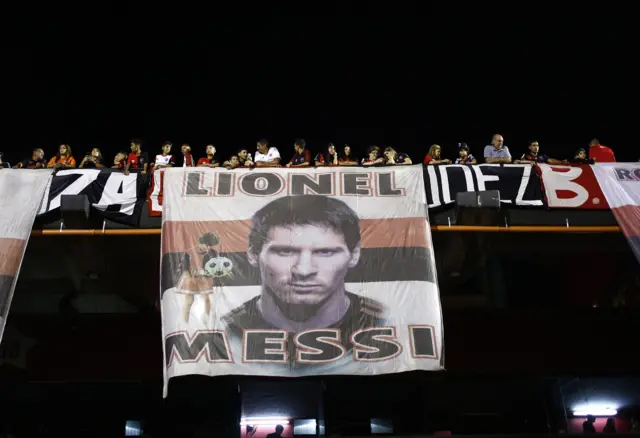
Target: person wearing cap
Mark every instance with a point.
(464, 157)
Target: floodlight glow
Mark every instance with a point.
(595, 409)
(263, 421)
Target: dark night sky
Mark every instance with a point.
(406, 77)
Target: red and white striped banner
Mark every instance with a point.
(155, 193)
(620, 183)
(21, 193)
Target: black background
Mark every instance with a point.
(404, 75)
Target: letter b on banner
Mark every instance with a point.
(561, 189)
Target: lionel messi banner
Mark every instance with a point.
(297, 272)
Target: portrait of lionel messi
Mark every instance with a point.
(303, 247)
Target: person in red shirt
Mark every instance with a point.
(433, 156)
(301, 156)
(600, 153)
(187, 159)
(329, 157)
(373, 152)
(346, 158)
(137, 159)
(119, 160)
(209, 160)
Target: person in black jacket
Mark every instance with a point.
(587, 427)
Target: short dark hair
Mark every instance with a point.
(305, 210)
(210, 239)
(136, 141)
(264, 141)
(300, 142)
(533, 141)
(167, 143)
(463, 146)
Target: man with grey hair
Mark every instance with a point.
(497, 152)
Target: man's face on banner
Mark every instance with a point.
(304, 264)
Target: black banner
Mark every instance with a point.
(518, 184)
(112, 194)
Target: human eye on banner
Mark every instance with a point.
(294, 272)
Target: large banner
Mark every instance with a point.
(518, 184)
(296, 272)
(118, 197)
(21, 193)
(572, 187)
(620, 183)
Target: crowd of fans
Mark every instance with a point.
(269, 156)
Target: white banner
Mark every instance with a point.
(620, 183)
(296, 272)
(572, 187)
(21, 193)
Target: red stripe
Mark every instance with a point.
(11, 251)
(374, 233)
(628, 218)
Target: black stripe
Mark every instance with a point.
(94, 192)
(508, 184)
(376, 264)
(6, 281)
(59, 183)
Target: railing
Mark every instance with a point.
(436, 228)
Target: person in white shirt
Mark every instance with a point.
(166, 158)
(266, 156)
